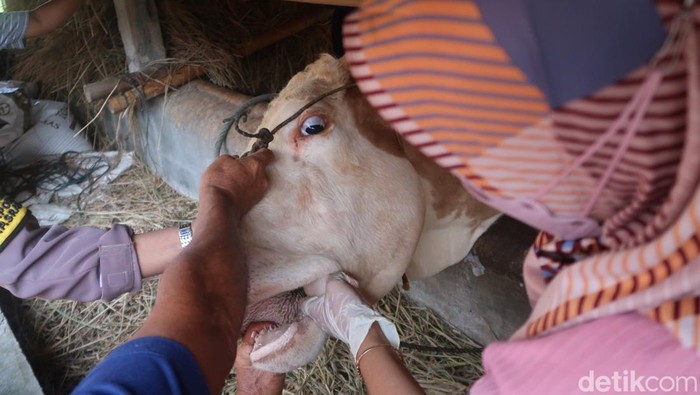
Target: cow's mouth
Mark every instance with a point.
(273, 339)
(281, 321)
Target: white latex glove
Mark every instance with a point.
(343, 314)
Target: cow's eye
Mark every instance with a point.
(313, 125)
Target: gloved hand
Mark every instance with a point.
(342, 313)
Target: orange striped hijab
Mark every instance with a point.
(618, 167)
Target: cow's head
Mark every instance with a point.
(346, 193)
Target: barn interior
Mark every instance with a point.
(158, 78)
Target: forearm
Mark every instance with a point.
(50, 16)
(250, 381)
(157, 249)
(202, 296)
(381, 367)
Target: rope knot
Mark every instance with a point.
(265, 136)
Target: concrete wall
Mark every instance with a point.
(483, 295)
(176, 136)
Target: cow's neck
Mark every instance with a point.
(454, 220)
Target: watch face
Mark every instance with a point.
(185, 235)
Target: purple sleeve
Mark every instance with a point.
(81, 263)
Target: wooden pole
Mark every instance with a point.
(346, 3)
(140, 30)
(155, 87)
(287, 30)
(100, 89)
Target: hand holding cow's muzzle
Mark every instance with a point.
(242, 182)
(343, 314)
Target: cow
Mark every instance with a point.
(347, 193)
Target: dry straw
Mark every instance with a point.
(211, 33)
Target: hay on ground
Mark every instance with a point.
(69, 338)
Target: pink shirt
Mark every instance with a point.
(592, 358)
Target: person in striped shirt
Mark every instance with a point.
(16, 26)
(579, 119)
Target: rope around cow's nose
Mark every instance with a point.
(235, 118)
(264, 136)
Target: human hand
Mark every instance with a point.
(343, 314)
(240, 183)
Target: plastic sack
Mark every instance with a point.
(52, 132)
(14, 112)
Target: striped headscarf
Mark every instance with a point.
(611, 178)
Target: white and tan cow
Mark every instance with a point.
(346, 193)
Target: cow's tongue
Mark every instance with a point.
(273, 339)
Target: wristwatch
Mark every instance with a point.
(185, 234)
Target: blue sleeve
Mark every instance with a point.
(13, 27)
(148, 365)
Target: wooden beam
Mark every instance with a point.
(155, 86)
(140, 31)
(95, 91)
(347, 3)
(284, 31)
(101, 89)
